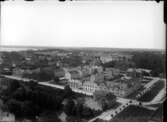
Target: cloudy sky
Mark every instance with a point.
(123, 24)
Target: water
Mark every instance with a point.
(9, 49)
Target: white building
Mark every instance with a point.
(77, 84)
(90, 86)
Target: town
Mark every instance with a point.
(82, 85)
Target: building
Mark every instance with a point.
(132, 72)
(97, 69)
(106, 58)
(4, 83)
(1, 60)
(90, 86)
(19, 72)
(110, 73)
(86, 70)
(75, 74)
(123, 87)
(103, 87)
(6, 117)
(67, 75)
(59, 73)
(77, 84)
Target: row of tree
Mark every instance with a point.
(153, 61)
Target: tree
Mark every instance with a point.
(99, 94)
(86, 112)
(149, 60)
(105, 99)
(56, 80)
(78, 109)
(110, 96)
(48, 116)
(69, 106)
(27, 109)
(67, 91)
(104, 104)
(73, 119)
(19, 94)
(14, 84)
(14, 106)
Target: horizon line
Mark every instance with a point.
(77, 47)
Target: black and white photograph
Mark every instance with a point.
(82, 61)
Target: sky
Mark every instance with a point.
(115, 24)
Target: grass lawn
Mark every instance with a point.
(133, 112)
(158, 114)
(148, 96)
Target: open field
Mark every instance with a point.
(158, 114)
(133, 111)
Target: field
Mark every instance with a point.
(132, 112)
(158, 114)
(148, 96)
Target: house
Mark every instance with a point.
(97, 78)
(75, 74)
(123, 87)
(97, 69)
(119, 57)
(110, 73)
(4, 83)
(63, 117)
(7, 70)
(59, 73)
(132, 72)
(86, 70)
(1, 60)
(6, 117)
(19, 71)
(67, 75)
(103, 87)
(106, 58)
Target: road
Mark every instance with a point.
(17, 78)
(49, 84)
(62, 87)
